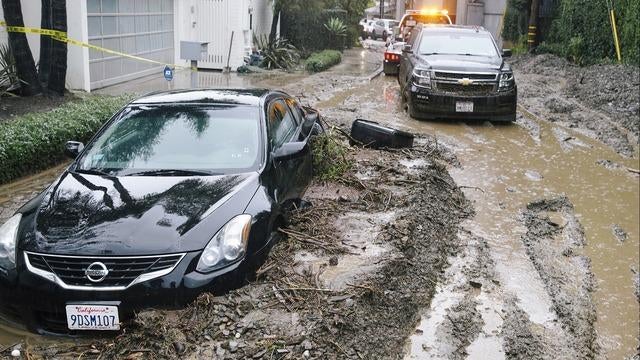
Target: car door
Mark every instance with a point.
(407, 60)
(305, 167)
(282, 128)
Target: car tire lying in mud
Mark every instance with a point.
(374, 135)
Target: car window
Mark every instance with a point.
(414, 37)
(295, 110)
(223, 139)
(282, 124)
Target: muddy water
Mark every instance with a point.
(507, 167)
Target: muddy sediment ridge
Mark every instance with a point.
(600, 100)
(347, 280)
(553, 241)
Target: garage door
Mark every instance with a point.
(137, 27)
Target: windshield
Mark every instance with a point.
(456, 43)
(211, 140)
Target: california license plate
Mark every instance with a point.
(464, 106)
(92, 317)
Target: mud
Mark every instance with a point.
(553, 240)
(600, 100)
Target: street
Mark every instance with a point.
(536, 235)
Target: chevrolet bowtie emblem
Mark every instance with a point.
(465, 81)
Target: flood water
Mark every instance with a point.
(514, 166)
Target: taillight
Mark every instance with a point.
(391, 57)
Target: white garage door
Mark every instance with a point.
(138, 27)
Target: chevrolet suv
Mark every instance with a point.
(457, 72)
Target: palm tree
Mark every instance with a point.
(25, 66)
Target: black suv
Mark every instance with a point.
(456, 72)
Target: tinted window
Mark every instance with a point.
(295, 110)
(475, 44)
(217, 139)
(282, 124)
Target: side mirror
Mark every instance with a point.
(290, 151)
(310, 119)
(407, 48)
(506, 52)
(73, 148)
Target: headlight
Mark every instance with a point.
(422, 77)
(227, 245)
(8, 237)
(507, 81)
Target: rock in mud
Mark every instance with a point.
(619, 233)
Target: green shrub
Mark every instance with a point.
(35, 141)
(330, 157)
(278, 53)
(323, 60)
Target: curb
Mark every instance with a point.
(376, 73)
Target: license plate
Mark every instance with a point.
(411, 23)
(92, 317)
(464, 106)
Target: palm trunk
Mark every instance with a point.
(25, 66)
(274, 21)
(58, 73)
(44, 65)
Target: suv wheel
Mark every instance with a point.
(373, 35)
(384, 36)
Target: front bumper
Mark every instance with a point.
(497, 106)
(39, 304)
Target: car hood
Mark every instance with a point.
(135, 215)
(462, 63)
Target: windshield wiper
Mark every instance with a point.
(172, 172)
(93, 172)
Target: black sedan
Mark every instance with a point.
(180, 192)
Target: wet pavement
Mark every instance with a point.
(503, 168)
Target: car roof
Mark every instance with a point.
(250, 97)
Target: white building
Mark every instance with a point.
(151, 29)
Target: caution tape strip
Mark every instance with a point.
(62, 37)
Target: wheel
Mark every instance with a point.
(384, 36)
(373, 35)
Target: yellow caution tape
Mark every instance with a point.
(62, 36)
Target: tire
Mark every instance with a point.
(384, 36)
(373, 35)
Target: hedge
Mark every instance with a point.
(35, 141)
(323, 60)
(581, 30)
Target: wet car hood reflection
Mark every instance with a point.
(94, 215)
(462, 62)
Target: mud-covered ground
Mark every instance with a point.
(601, 100)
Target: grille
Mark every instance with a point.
(457, 76)
(122, 271)
(466, 89)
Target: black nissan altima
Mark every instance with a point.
(180, 192)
